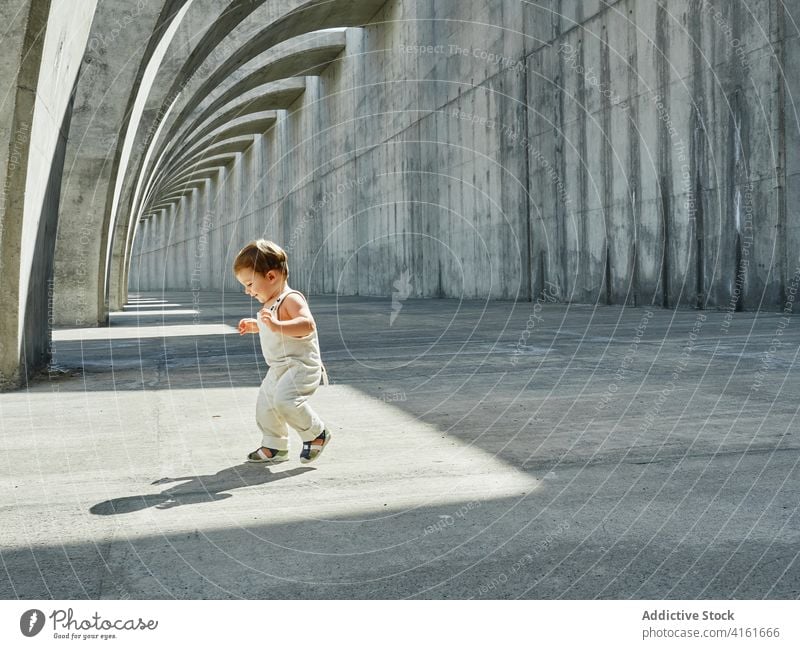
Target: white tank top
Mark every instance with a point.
(281, 350)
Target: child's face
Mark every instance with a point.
(258, 286)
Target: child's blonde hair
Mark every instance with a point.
(262, 256)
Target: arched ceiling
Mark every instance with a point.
(224, 73)
(273, 80)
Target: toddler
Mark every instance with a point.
(290, 346)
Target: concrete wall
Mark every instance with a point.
(671, 137)
(624, 152)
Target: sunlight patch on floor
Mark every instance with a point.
(144, 331)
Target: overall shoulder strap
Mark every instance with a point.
(279, 302)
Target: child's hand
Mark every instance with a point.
(248, 326)
(269, 319)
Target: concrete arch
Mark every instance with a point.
(204, 163)
(204, 24)
(201, 172)
(269, 86)
(249, 124)
(110, 79)
(290, 19)
(270, 97)
(306, 55)
(42, 52)
(237, 144)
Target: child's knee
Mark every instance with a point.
(285, 406)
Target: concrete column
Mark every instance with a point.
(146, 273)
(162, 279)
(41, 57)
(189, 245)
(107, 82)
(136, 257)
(787, 130)
(177, 276)
(140, 256)
(205, 212)
(217, 208)
(251, 193)
(230, 220)
(263, 181)
(140, 280)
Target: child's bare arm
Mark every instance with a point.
(298, 320)
(248, 326)
(297, 327)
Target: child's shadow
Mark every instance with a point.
(198, 489)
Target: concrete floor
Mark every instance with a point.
(599, 465)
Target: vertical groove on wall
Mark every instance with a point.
(583, 269)
(562, 213)
(634, 172)
(734, 199)
(526, 165)
(779, 13)
(608, 162)
(664, 149)
(700, 252)
(697, 152)
(739, 273)
(542, 272)
(664, 206)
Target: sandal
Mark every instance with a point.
(311, 451)
(275, 456)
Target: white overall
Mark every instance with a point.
(295, 372)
